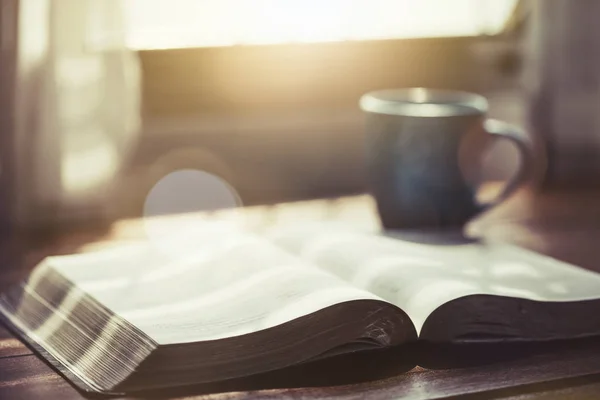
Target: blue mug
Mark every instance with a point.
(423, 154)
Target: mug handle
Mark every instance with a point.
(503, 130)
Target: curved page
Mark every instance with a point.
(419, 278)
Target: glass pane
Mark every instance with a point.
(199, 23)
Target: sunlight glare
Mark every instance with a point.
(209, 23)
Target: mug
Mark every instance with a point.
(423, 155)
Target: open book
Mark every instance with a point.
(229, 303)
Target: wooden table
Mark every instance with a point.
(563, 225)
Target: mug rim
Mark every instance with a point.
(423, 102)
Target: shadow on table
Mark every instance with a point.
(445, 237)
(372, 366)
(346, 369)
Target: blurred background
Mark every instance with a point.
(100, 100)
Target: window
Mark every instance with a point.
(163, 24)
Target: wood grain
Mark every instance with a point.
(27, 377)
(547, 371)
(577, 389)
(10, 346)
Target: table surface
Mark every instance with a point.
(565, 225)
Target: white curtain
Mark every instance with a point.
(78, 107)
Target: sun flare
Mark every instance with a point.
(207, 23)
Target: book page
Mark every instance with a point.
(419, 278)
(212, 284)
